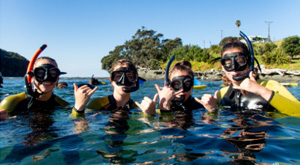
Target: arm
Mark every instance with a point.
(277, 95)
(82, 97)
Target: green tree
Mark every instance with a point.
(144, 46)
(276, 56)
(291, 45)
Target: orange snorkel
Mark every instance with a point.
(28, 76)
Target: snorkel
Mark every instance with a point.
(29, 75)
(167, 80)
(251, 67)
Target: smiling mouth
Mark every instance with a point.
(46, 83)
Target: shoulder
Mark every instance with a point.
(10, 102)
(61, 101)
(98, 103)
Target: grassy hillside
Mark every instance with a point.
(202, 66)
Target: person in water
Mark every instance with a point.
(124, 79)
(45, 77)
(247, 92)
(177, 96)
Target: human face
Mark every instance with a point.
(187, 80)
(231, 74)
(44, 86)
(123, 77)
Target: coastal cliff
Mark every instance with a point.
(12, 64)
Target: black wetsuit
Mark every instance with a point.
(235, 100)
(188, 105)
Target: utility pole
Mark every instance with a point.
(269, 22)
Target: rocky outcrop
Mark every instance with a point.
(279, 75)
(12, 64)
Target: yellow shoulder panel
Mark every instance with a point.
(10, 102)
(221, 93)
(98, 103)
(61, 101)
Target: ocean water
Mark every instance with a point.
(132, 138)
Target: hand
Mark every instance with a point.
(82, 96)
(250, 85)
(165, 95)
(3, 114)
(209, 102)
(147, 105)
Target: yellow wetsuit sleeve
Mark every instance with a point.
(61, 101)
(10, 102)
(94, 104)
(282, 99)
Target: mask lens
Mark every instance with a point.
(188, 83)
(241, 60)
(39, 73)
(54, 73)
(117, 76)
(131, 76)
(176, 85)
(226, 63)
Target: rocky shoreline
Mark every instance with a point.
(279, 75)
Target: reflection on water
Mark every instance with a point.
(129, 137)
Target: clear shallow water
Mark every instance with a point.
(128, 138)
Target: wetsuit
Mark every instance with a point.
(18, 103)
(188, 105)
(281, 99)
(107, 103)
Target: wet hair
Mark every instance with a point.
(46, 58)
(122, 62)
(235, 44)
(183, 66)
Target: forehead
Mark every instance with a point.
(179, 73)
(232, 50)
(44, 61)
(121, 65)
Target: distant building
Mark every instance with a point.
(255, 39)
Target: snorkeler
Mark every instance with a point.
(124, 79)
(176, 94)
(245, 91)
(45, 75)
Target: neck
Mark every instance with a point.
(45, 96)
(121, 100)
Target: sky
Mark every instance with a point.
(79, 33)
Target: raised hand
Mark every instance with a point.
(251, 85)
(209, 102)
(147, 105)
(82, 96)
(165, 96)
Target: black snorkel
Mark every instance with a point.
(167, 80)
(251, 67)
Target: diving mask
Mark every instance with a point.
(46, 72)
(124, 76)
(235, 61)
(182, 82)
